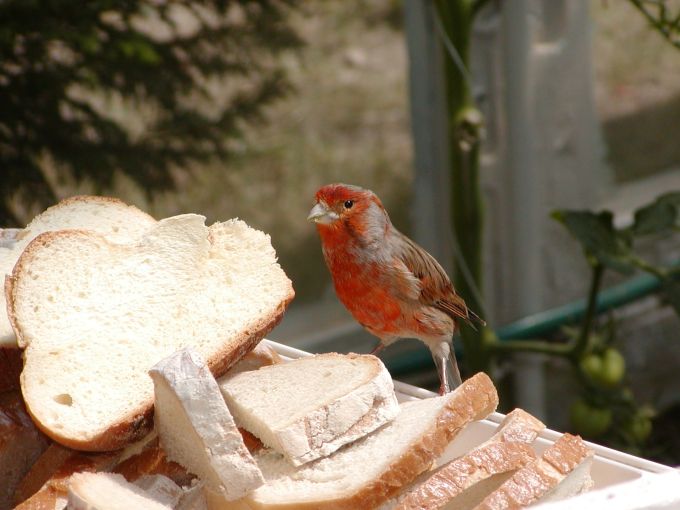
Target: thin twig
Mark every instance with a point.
(581, 342)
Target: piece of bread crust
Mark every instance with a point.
(537, 480)
(11, 363)
(21, 443)
(475, 399)
(506, 451)
(219, 244)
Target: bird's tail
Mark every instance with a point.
(474, 320)
(447, 367)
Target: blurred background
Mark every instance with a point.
(474, 121)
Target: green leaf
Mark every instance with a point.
(598, 237)
(659, 216)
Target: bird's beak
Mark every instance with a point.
(320, 213)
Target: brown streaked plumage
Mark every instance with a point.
(392, 286)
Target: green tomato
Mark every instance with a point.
(591, 365)
(639, 427)
(613, 367)
(589, 421)
(606, 370)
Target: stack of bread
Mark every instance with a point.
(143, 384)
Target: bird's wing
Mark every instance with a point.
(435, 288)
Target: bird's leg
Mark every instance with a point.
(377, 349)
(445, 359)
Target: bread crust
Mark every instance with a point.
(11, 363)
(20, 444)
(139, 423)
(537, 479)
(477, 400)
(508, 450)
(98, 199)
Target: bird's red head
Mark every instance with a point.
(344, 208)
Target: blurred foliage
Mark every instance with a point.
(194, 74)
(663, 16)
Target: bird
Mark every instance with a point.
(393, 287)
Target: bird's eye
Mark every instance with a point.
(349, 204)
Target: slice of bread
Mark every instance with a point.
(95, 316)
(366, 473)
(108, 491)
(20, 445)
(562, 471)
(465, 481)
(310, 407)
(110, 217)
(196, 429)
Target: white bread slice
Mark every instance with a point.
(366, 473)
(310, 407)
(465, 481)
(196, 429)
(110, 217)
(562, 471)
(20, 445)
(95, 316)
(108, 491)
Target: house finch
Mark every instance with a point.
(392, 286)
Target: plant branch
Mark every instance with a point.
(669, 29)
(581, 343)
(659, 272)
